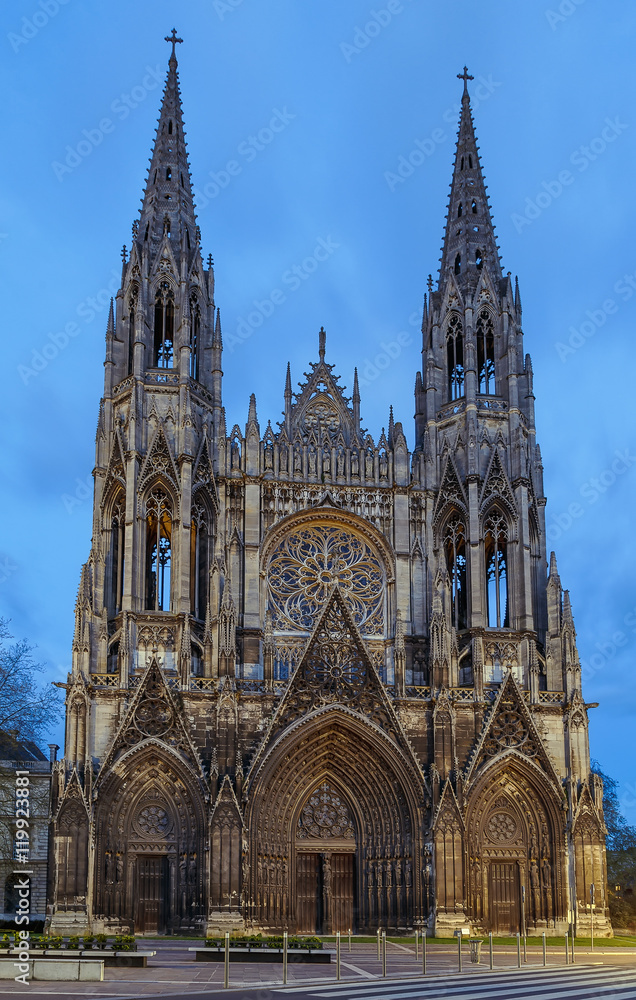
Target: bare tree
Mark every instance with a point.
(26, 706)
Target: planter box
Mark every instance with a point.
(294, 955)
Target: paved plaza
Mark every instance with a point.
(605, 972)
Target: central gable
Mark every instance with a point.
(321, 414)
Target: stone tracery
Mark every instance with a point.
(306, 565)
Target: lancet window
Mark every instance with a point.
(455, 357)
(117, 529)
(158, 550)
(195, 337)
(497, 575)
(455, 548)
(132, 309)
(200, 544)
(164, 326)
(485, 352)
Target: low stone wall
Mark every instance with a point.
(54, 969)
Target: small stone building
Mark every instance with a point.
(320, 680)
(26, 757)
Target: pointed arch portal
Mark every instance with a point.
(515, 836)
(151, 836)
(333, 831)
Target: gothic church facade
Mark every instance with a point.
(320, 681)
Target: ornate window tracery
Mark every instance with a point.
(164, 326)
(308, 562)
(496, 550)
(324, 816)
(455, 547)
(199, 559)
(132, 309)
(195, 337)
(455, 357)
(485, 353)
(158, 550)
(118, 525)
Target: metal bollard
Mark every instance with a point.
(545, 957)
(424, 952)
(492, 964)
(459, 952)
(350, 939)
(525, 949)
(384, 953)
(378, 944)
(518, 950)
(572, 945)
(284, 956)
(226, 971)
(417, 945)
(337, 954)
(567, 949)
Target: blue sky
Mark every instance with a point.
(353, 86)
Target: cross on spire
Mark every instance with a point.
(465, 76)
(175, 41)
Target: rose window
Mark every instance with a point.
(335, 671)
(153, 717)
(501, 827)
(324, 816)
(509, 729)
(306, 565)
(154, 821)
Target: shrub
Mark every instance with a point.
(101, 940)
(124, 942)
(55, 942)
(73, 942)
(87, 941)
(5, 941)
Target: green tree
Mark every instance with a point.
(27, 707)
(621, 855)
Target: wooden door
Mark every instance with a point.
(152, 884)
(308, 893)
(343, 892)
(505, 908)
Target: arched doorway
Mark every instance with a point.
(515, 849)
(325, 849)
(149, 872)
(334, 829)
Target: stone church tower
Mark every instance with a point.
(319, 681)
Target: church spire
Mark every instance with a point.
(469, 240)
(167, 204)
